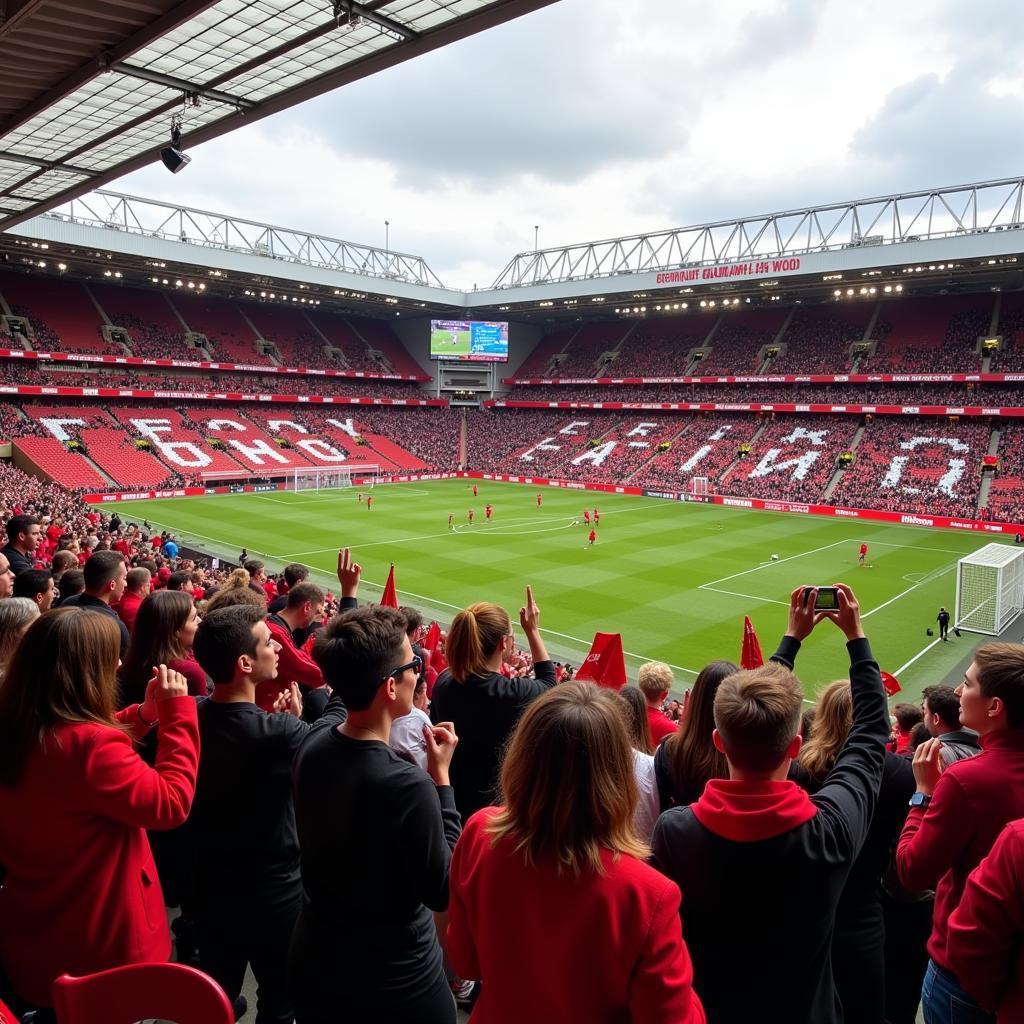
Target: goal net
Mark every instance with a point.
(989, 589)
(327, 478)
(699, 485)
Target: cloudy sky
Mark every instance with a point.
(599, 118)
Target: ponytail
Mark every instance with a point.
(475, 633)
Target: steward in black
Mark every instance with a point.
(762, 866)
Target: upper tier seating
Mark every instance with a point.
(818, 340)
(378, 335)
(536, 363)
(62, 315)
(295, 337)
(155, 330)
(658, 348)
(738, 339)
(928, 335)
(589, 343)
(230, 339)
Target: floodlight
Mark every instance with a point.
(172, 156)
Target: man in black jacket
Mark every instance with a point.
(760, 863)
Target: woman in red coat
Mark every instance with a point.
(81, 892)
(552, 906)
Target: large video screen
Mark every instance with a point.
(472, 341)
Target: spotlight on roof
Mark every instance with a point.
(172, 156)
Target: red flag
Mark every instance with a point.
(891, 684)
(390, 597)
(438, 662)
(433, 638)
(605, 664)
(750, 656)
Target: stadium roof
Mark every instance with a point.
(88, 87)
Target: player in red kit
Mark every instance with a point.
(863, 553)
(474, 490)
(369, 502)
(586, 516)
(597, 517)
(488, 511)
(592, 537)
(469, 514)
(538, 501)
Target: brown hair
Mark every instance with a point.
(757, 714)
(907, 716)
(1001, 674)
(832, 723)
(153, 641)
(691, 753)
(634, 708)
(568, 783)
(475, 633)
(62, 672)
(235, 592)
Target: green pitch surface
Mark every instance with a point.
(674, 579)
(441, 343)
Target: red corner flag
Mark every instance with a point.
(891, 684)
(605, 664)
(750, 656)
(389, 599)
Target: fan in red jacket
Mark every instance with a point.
(567, 922)
(81, 892)
(305, 606)
(985, 943)
(654, 680)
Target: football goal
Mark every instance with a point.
(699, 485)
(329, 478)
(989, 589)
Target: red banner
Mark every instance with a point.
(815, 407)
(195, 364)
(211, 396)
(789, 378)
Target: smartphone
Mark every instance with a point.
(827, 600)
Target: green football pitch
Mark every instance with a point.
(441, 343)
(674, 579)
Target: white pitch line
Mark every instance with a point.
(764, 565)
(749, 597)
(919, 654)
(931, 577)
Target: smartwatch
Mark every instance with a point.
(921, 800)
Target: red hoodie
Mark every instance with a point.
(293, 665)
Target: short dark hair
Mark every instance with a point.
(19, 524)
(907, 716)
(295, 573)
(177, 580)
(63, 560)
(253, 566)
(138, 578)
(413, 619)
(358, 649)
(303, 592)
(943, 701)
(32, 582)
(100, 568)
(1001, 674)
(223, 637)
(72, 581)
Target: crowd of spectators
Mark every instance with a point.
(361, 808)
(817, 342)
(921, 464)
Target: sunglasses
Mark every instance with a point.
(416, 665)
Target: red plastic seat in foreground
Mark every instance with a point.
(124, 995)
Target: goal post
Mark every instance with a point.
(699, 485)
(989, 589)
(327, 478)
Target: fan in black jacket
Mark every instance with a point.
(761, 864)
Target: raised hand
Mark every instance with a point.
(441, 742)
(349, 573)
(928, 765)
(848, 616)
(529, 616)
(163, 684)
(289, 701)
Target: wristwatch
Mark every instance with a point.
(921, 800)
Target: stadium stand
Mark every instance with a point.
(147, 316)
(1006, 495)
(230, 338)
(296, 340)
(738, 339)
(657, 349)
(818, 341)
(585, 351)
(380, 338)
(538, 362)
(1009, 358)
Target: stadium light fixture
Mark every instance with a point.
(172, 156)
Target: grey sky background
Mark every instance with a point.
(598, 118)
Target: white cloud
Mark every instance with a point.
(594, 118)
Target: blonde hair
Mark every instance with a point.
(654, 679)
(474, 635)
(757, 714)
(833, 720)
(568, 783)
